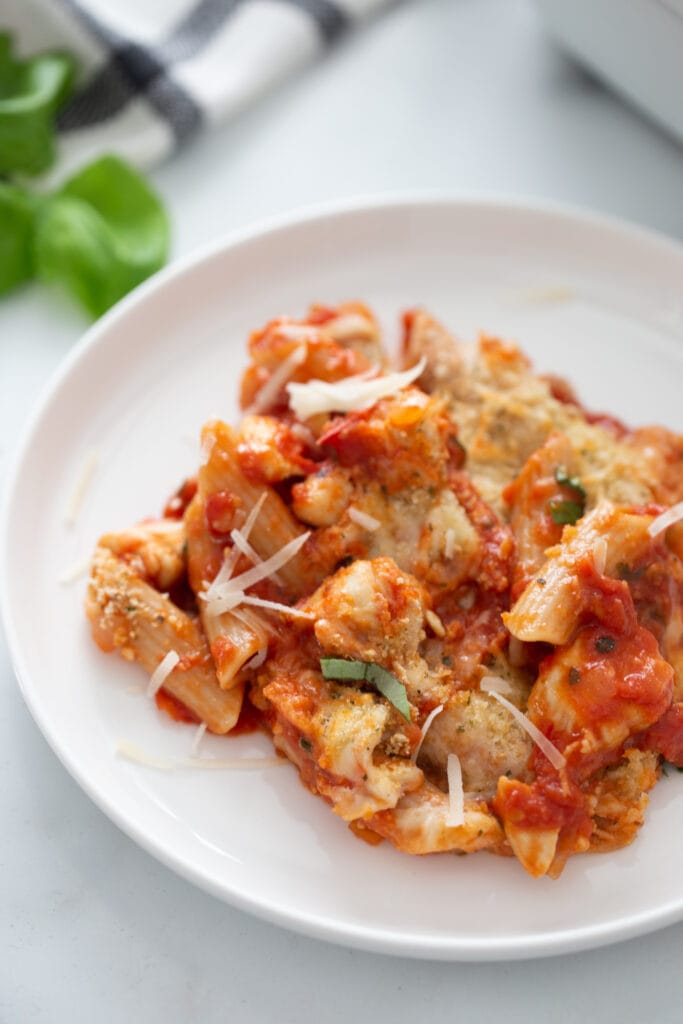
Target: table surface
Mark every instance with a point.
(463, 96)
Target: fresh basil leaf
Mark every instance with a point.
(102, 234)
(386, 682)
(74, 247)
(31, 92)
(565, 512)
(17, 214)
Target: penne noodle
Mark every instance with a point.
(549, 608)
(275, 525)
(130, 616)
(234, 638)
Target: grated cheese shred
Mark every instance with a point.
(424, 730)
(666, 519)
(227, 592)
(456, 793)
(349, 394)
(492, 685)
(132, 752)
(162, 672)
(600, 555)
(363, 519)
(280, 375)
(76, 500)
(198, 737)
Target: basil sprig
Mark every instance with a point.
(386, 682)
(98, 236)
(31, 92)
(101, 234)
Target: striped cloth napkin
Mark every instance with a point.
(154, 72)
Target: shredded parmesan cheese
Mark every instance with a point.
(666, 519)
(224, 594)
(74, 572)
(424, 730)
(600, 555)
(456, 793)
(297, 332)
(492, 685)
(275, 606)
(258, 659)
(449, 543)
(435, 622)
(349, 394)
(162, 672)
(131, 752)
(198, 737)
(269, 566)
(76, 499)
(368, 522)
(272, 387)
(349, 325)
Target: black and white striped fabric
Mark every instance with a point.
(154, 72)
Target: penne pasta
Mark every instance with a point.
(275, 526)
(130, 616)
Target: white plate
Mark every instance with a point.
(590, 299)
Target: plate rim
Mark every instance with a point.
(370, 938)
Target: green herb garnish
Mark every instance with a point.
(568, 512)
(102, 234)
(17, 214)
(386, 682)
(572, 482)
(565, 512)
(99, 236)
(31, 92)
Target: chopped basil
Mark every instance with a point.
(565, 513)
(572, 482)
(367, 671)
(306, 744)
(574, 676)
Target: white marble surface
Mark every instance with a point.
(466, 96)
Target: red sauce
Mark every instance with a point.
(172, 706)
(220, 511)
(543, 805)
(176, 505)
(250, 720)
(666, 736)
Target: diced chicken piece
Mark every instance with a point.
(154, 549)
(486, 738)
(370, 611)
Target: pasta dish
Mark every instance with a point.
(451, 595)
